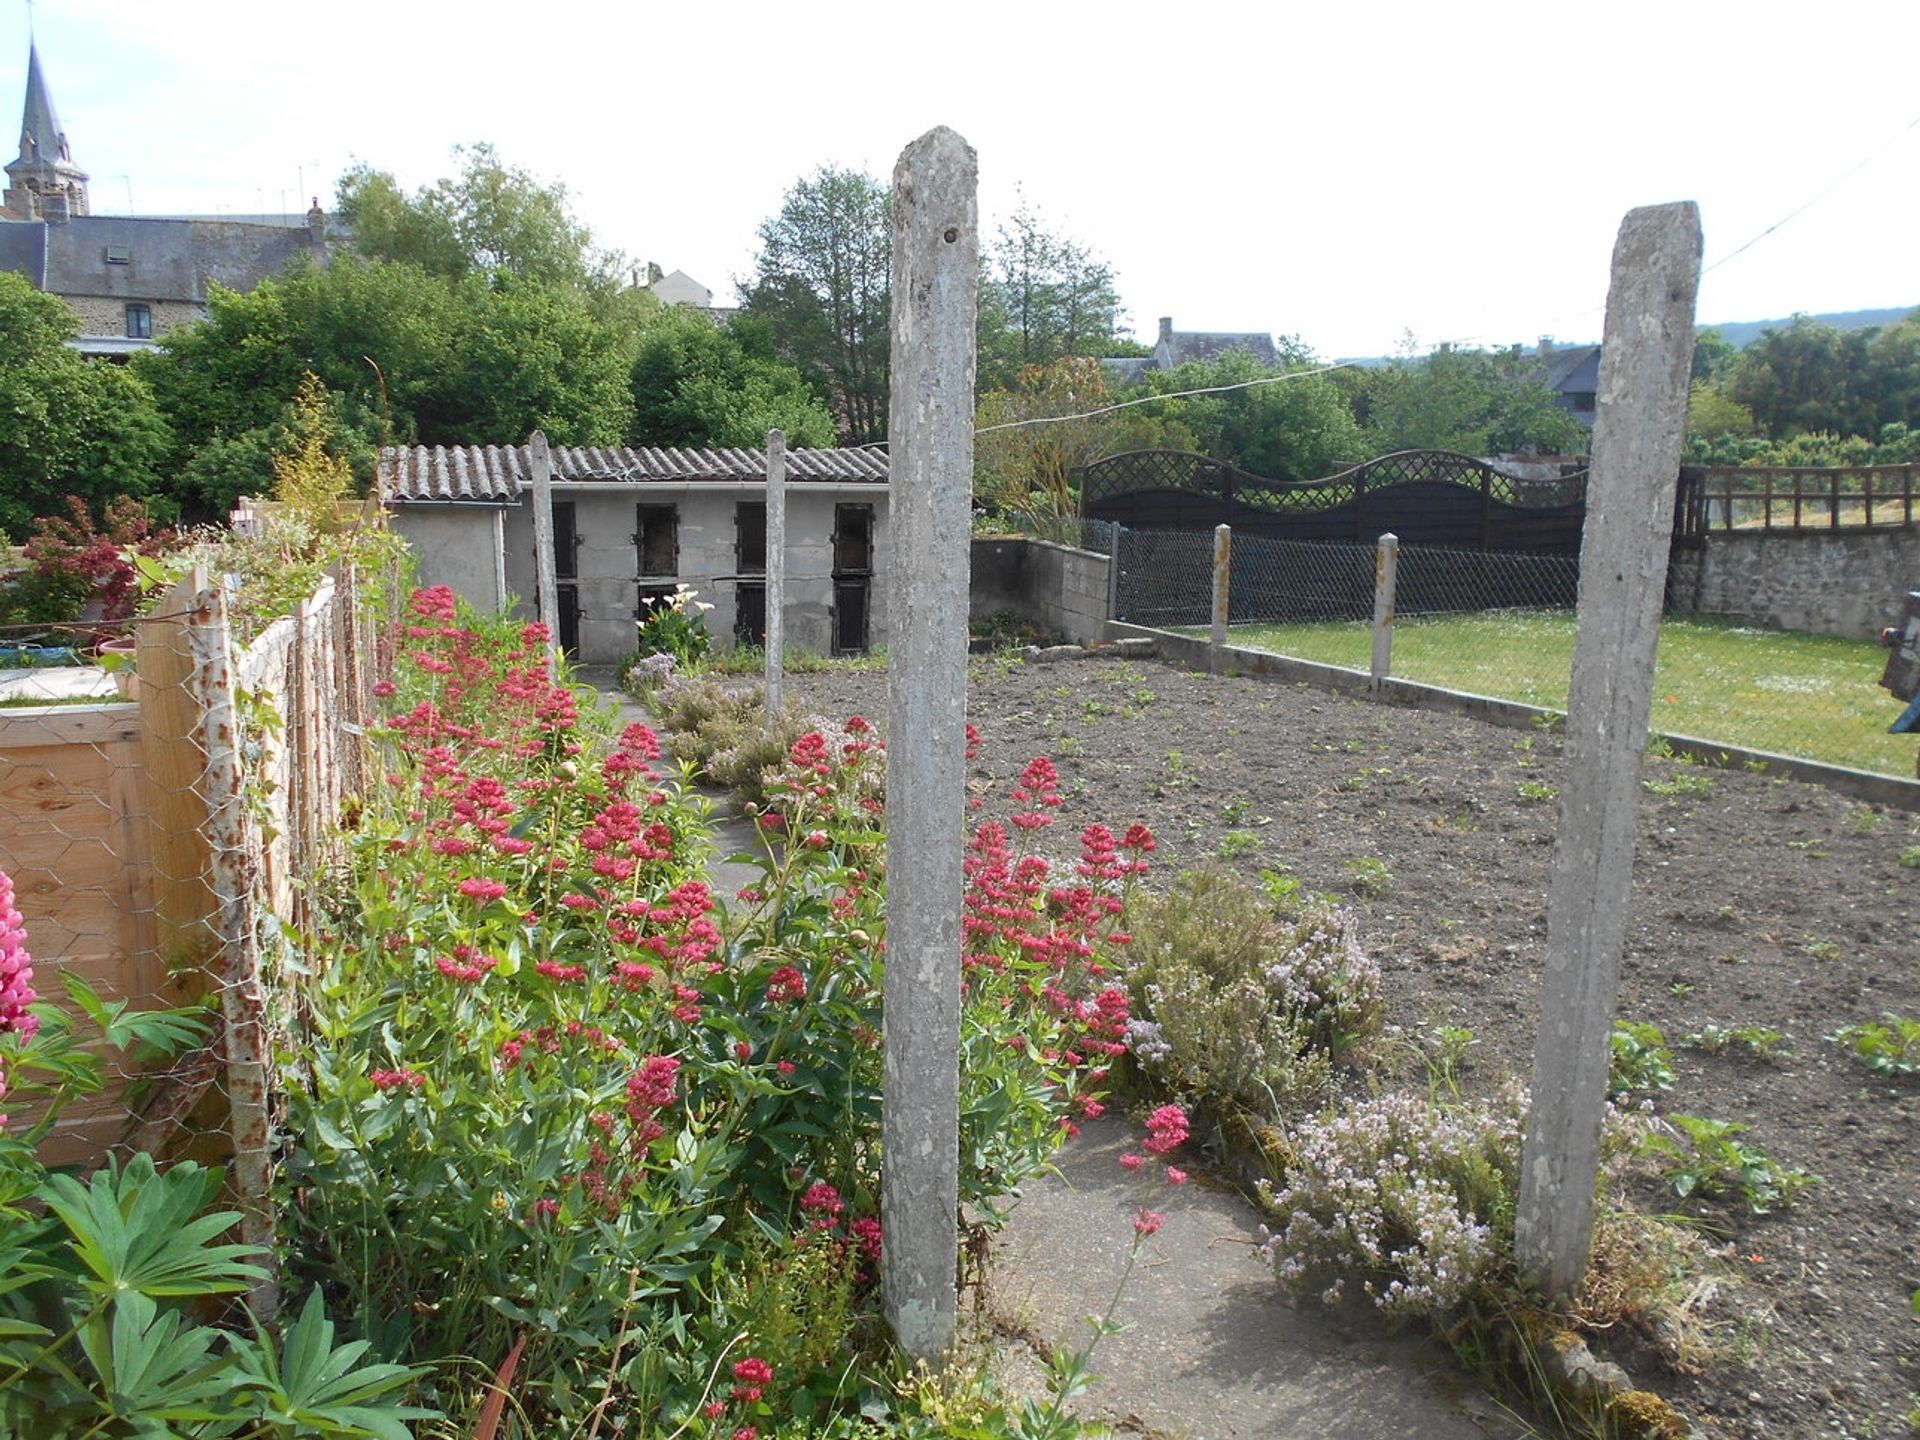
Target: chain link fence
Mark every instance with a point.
(1502, 625)
(165, 822)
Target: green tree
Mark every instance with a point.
(491, 219)
(1469, 401)
(68, 426)
(1042, 296)
(1713, 355)
(1805, 377)
(821, 286)
(701, 384)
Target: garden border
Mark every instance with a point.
(1195, 652)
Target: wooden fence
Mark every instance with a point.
(149, 838)
(1789, 499)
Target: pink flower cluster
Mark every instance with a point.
(16, 967)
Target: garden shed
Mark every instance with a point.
(632, 524)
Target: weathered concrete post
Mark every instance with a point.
(936, 248)
(776, 568)
(1222, 578)
(1113, 571)
(548, 592)
(1648, 350)
(1386, 580)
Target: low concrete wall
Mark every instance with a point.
(1827, 582)
(1194, 653)
(1060, 589)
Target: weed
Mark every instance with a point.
(1234, 811)
(1444, 1047)
(1236, 843)
(1092, 710)
(1144, 697)
(1757, 1040)
(1063, 692)
(1889, 1049)
(1910, 857)
(1534, 791)
(1175, 766)
(1681, 782)
(1067, 745)
(1680, 989)
(1703, 1158)
(1524, 750)
(1865, 822)
(1809, 847)
(1822, 950)
(1368, 875)
(1641, 1060)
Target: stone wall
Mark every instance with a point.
(1062, 590)
(1827, 582)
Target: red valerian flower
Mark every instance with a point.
(1147, 1222)
(1166, 1129)
(786, 985)
(385, 1080)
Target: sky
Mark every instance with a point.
(1351, 174)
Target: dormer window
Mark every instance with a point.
(119, 255)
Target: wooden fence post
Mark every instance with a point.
(1222, 596)
(235, 868)
(1386, 581)
(936, 246)
(543, 558)
(1648, 349)
(776, 539)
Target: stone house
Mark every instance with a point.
(630, 525)
(1174, 348)
(129, 279)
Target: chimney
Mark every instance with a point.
(1166, 329)
(316, 224)
(53, 207)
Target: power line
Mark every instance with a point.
(1170, 395)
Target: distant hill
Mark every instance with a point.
(1741, 333)
(1744, 332)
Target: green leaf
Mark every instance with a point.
(317, 1387)
(135, 1230)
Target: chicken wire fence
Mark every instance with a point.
(1502, 624)
(164, 823)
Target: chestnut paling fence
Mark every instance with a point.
(163, 842)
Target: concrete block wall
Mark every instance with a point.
(1058, 588)
(1840, 582)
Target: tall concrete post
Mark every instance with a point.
(1222, 587)
(548, 591)
(1386, 585)
(936, 249)
(776, 569)
(1648, 350)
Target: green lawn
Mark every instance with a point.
(1810, 695)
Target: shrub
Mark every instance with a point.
(1233, 997)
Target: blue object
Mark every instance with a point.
(1909, 720)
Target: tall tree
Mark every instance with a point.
(1472, 401)
(68, 426)
(490, 219)
(821, 285)
(1043, 296)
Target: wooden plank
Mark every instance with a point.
(175, 773)
(30, 725)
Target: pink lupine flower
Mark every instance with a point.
(16, 967)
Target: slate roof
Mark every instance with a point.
(1209, 345)
(164, 259)
(496, 474)
(1575, 369)
(23, 250)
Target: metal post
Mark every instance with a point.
(1386, 579)
(936, 247)
(776, 603)
(1648, 350)
(1222, 576)
(549, 594)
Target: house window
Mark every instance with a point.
(139, 322)
(750, 614)
(852, 577)
(750, 537)
(658, 541)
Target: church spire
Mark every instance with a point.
(44, 182)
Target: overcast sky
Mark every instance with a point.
(1344, 172)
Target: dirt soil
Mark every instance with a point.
(1757, 902)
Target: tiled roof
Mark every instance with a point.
(497, 473)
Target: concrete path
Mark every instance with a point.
(1213, 1349)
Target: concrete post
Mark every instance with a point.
(1222, 577)
(1386, 581)
(776, 569)
(1113, 572)
(936, 247)
(548, 591)
(1648, 342)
